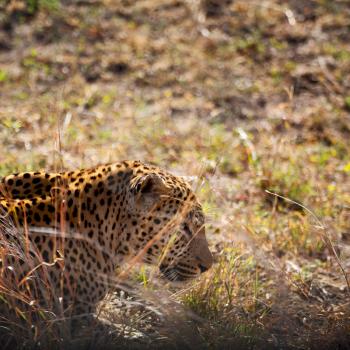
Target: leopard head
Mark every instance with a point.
(169, 225)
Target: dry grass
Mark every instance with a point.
(253, 98)
(33, 312)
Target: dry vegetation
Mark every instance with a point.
(249, 97)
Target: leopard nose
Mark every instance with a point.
(202, 268)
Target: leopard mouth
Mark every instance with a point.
(175, 274)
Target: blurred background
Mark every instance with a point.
(248, 96)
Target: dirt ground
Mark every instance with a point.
(247, 96)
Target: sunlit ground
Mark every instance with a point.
(255, 97)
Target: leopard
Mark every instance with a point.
(82, 225)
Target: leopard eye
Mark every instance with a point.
(198, 220)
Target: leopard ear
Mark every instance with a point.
(150, 184)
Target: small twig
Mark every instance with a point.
(328, 75)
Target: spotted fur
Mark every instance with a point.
(97, 218)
